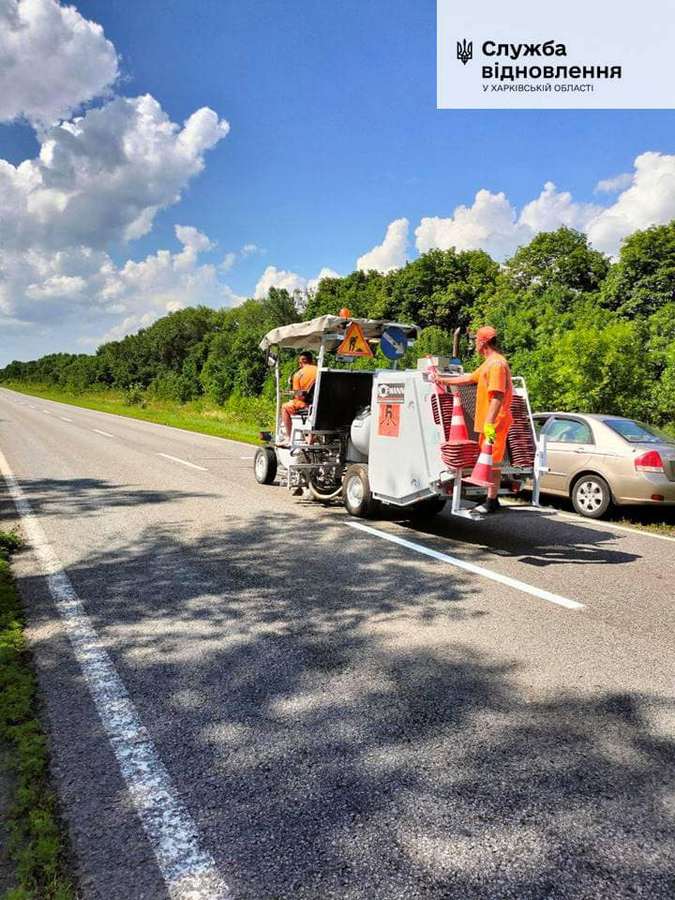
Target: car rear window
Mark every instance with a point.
(636, 432)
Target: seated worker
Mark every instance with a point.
(302, 383)
(494, 394)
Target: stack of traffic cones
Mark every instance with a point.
(459, 452)
(520, 439)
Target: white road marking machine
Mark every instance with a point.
(374, 437)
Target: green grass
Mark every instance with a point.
(37, 844)
(241, 419)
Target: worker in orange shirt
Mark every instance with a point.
(302, 384)
(494, 394)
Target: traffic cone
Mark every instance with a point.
(458, 429)
(482, 471)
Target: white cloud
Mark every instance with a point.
(649, 200)
(228, 261)
(103, 177)
(289, 281)
(51, 60)
(490, 223)
(612, 185)
(493, 224)
(391, 253)
(313, 283)
(250, 249)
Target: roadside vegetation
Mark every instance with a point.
(587, 333)
(37, 845)
(239, 419)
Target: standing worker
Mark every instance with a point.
(303, 389)
(494, 394)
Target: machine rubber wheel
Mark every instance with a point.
(591, 496)
(427, 508)
(356, 495)
(265, 465)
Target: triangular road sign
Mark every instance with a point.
(354, 343)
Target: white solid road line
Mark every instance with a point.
(183, 462)
(104, 433)
(471, 567)
(187, 869)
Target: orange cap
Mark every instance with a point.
(485, 334)
(345, 313)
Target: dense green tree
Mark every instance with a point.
(643, 279)
(561, 259)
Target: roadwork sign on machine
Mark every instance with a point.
(382, 437)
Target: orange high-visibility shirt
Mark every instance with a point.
(493, 375)
(304, 378)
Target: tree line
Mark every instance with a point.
(588, 334)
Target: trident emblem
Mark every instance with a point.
(464, 51)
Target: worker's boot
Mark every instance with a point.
(489, 505)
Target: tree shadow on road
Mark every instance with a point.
(327, 717)
(539, 540)
(89, 496)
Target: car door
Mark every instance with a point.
(570, 445)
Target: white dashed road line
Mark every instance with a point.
(65, 419)
(183, 462)
(471, 567)
(187, 869)
(104, 433)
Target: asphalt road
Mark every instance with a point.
(339, 715)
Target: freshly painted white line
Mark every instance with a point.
(104, 433)
(188, 870)
(600, 523)
(246, 457)
(471, 567)
(183, 462)
(65, 419)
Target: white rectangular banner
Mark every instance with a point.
(579, 54)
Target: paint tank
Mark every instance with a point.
(360, 431)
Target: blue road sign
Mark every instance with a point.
(394, 343)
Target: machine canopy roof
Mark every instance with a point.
(308, 335)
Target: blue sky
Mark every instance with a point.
(333, 134)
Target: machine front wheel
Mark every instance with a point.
(356, 495)
(265, 465)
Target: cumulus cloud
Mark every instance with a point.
(52, 60)
(290, 281)
(391, 253)
(103, 177)
(649, 200)
(492, 223)
(612, 185)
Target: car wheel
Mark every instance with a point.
(591, 496)
(265, 465)
(356, 495)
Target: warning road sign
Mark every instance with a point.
(354, 343)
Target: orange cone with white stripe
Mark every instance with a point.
(482, 471)
(458, 429)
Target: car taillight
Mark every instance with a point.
(649, 462)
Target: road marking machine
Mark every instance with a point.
(383, 437)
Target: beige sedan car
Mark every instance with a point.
(599, 460)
